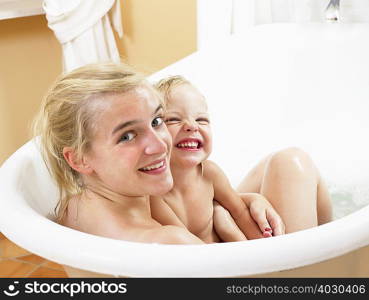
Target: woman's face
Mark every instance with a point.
(131, 145)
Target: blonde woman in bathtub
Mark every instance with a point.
(106, 146)
(287, 178)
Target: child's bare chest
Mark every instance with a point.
(194, 207)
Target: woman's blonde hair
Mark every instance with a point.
(66, 119)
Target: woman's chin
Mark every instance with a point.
(163, 187)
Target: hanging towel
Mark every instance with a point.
(83, 27)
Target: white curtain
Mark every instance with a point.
(217, 18)
(83, 27)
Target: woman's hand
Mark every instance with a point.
(263, 213)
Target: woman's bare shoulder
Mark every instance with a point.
(170, 234)
(70, 215)
(112, 225)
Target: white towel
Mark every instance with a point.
(83, 28)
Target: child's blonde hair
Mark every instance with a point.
(66, 118)
(166, 85)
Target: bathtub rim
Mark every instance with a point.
(215, 260)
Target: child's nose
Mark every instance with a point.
(191, 126)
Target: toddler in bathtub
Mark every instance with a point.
(198, 181)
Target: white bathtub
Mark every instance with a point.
(273, 87)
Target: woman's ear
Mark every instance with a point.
(75, 162)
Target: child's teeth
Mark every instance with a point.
(188, 145)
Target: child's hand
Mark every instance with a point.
(263, 213)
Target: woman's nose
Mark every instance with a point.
(191, 126)
(155, 144)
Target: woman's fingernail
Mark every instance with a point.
(268, 229)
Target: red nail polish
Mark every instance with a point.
(268, 229)
(267, 234)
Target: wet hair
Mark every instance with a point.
(166, 85)
(67, 114)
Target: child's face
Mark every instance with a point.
(187, 119)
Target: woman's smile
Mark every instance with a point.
(156, 167)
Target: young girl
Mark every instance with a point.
(197, 181)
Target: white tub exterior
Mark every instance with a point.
(272, 87)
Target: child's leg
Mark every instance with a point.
(324, 203)
(292, 184)
(225, 226)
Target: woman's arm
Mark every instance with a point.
(173, 235)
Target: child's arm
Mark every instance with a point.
(261, 210)
(228, 197)
(162, 213)
(225, 226)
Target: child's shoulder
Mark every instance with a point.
(210, 169)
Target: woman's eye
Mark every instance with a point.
(172, 120)
(127, 137)
(203, 121)
(157, 122)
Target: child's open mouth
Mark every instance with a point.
(189, 145)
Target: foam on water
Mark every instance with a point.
(347, 199)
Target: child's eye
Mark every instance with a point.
(172, 120)
(128, 136)
(203, 121)
(157, 122)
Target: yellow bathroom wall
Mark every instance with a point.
(30, 59)
(156, 34)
